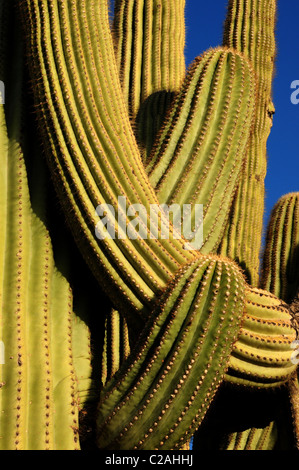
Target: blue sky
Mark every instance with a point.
(204, 24)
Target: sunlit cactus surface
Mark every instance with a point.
(137, 309)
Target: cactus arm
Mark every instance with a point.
(280, 262)
(29, 378)
(262, 355)
(40, 389)
(249, 29)
(83, 176)
(280, 273)
(199, 154)
(161, 393)
(149, 41)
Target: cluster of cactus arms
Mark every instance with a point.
(147, 341)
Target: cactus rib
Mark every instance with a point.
(280, 262)
(149, 41)
(249, 29)
(253, 439)
(116, 344)
(189, 163)
(86, 159)
(40, 394)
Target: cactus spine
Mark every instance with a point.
(183, 322)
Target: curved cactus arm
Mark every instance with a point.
(149, 38)
(199, 154)
(91, 147)
(262, 355)
(161, 393)
(249, 29)
(281, 257)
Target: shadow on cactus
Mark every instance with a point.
(142, 342)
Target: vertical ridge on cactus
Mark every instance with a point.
(249, 29)
(41, 391)
(86, 159)
(281, 257)
(280, 274)
(116, 347)
(30, 375)
(294, 400)
(150, 119)
(253, 439)
(149, 41)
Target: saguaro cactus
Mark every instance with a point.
(181, 321)
(45, 375)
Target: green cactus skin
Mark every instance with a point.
(99, 161)
(261, 355)
(116, 345)
(47, 371)
(150, 119)
(149, 38)
(253, 439)
(205, 323)
(39, 408)
(190, 164)
(149, 41)
(160, 395)
(281, 257)
(249, 29)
